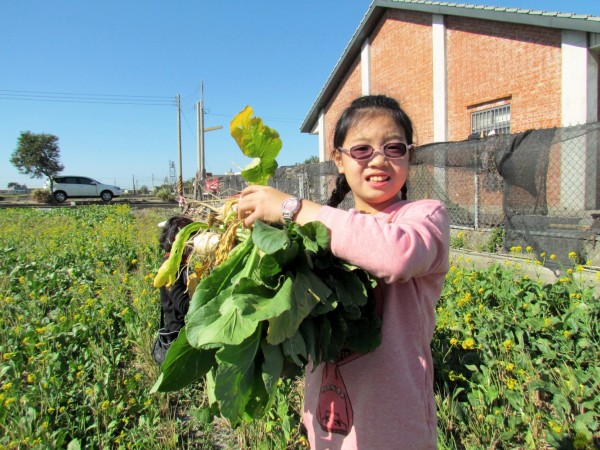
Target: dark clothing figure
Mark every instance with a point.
(175, 300)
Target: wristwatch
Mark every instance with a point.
(289, 208)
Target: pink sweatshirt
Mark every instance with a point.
(386, 396)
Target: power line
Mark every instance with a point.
(70, 97)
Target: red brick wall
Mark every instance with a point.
(402, 66)
(348, 90)
(488, 61)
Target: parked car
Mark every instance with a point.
(69, 186)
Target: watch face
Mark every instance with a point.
(290, 205)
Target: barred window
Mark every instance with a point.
(491, 121)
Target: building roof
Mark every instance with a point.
(560, 20)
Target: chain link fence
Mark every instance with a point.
(538, 189)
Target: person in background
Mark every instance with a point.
(383, 399)
(174, 300)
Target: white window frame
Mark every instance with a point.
(491, 121)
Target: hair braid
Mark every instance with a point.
(339, 192)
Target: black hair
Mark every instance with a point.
(170, 230)
(360, 107)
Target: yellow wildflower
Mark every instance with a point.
(555, 427)
(463, 300)
(468, 344)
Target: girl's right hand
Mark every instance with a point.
(264, 203)
(261, 203)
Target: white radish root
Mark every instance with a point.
(205, 244)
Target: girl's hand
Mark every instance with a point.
(261, 203)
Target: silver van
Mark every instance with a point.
(74, 186)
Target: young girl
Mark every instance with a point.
(382, 399)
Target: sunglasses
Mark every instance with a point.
(363, 152)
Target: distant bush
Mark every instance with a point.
(165, 193)
(41, 196)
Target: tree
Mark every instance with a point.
(311, 160)
(37, 155)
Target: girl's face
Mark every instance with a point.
(375, 183)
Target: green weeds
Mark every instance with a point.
(516, 359)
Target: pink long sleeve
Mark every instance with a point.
(396, 244)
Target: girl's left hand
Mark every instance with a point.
(261, 203)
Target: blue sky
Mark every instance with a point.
(103, 76)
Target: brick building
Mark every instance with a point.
(463, 70)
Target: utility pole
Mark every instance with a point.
(180, 180)
(201, 169)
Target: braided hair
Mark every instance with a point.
(359, 108)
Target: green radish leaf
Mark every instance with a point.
(349, 289)
(225, 327)
(197, 320)
(307, 290)
(257, 141)
(315, 236)
(169, 270)
(339, 330)
(183, 365)
(295, 349)
(309, 332)
(270, 239)
(271, 368)
(262, 304)
(234, 376)
(267, 272)
(221, 277)
(259, 397)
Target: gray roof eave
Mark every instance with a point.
(377, 8)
